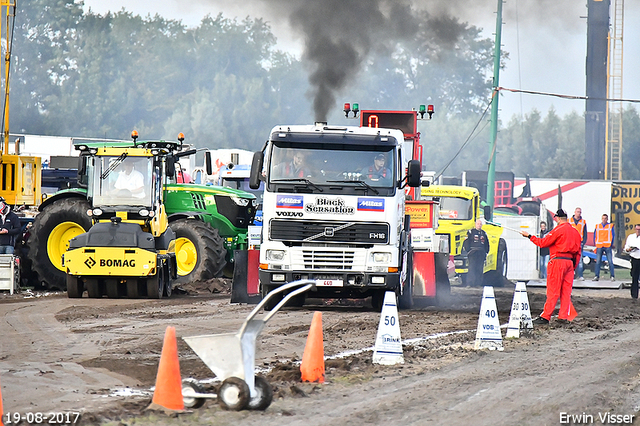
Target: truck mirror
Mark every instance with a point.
(207, 162)
(488, 214)
(413, 173)
(256, 170)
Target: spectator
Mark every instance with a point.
(377, 171)
(632, 246)
(604, 237)
(10, 228)
(477, 246)
(564, 248)
(544, 251)
(578, 222)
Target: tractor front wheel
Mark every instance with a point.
(200, 251)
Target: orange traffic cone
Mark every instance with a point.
(168, 392)
(312, 366)
(572, 312)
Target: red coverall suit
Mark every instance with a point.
(564, 244)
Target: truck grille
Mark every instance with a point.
(316, 259)
(329, 231)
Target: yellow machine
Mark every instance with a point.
(130, 249)
(20, 176)
(459, 209)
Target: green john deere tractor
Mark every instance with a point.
(210, 222)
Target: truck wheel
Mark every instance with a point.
(498, 278)
(530, 208)
(405, 300)
(200, 251)
(273, 300)
(377, 300)
(50, 234)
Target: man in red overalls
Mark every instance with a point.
(565, 244)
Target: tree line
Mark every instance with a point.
(225, 84)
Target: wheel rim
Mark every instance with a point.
(188, 395)
(58, 241)
(230, 395)
(186, 256)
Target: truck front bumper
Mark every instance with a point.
(334, 284)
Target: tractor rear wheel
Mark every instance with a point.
(49, 239)
(200, 251)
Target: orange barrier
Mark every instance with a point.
(312, 366)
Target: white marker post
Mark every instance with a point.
(388, 347)
(488, 334)
(520, 317)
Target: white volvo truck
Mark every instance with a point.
(335, 218)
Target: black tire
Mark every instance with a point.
(75, 287)
(200, 251)
(498, 278)
(190, 386)
(530, 208)
(377, 300)
(233, 394)
(273, 300)
(155, 284)
(63, 213)
(264, 395)
(405, 300)
(111, 286)
(168, 281)
(93, 288)
(133, 288)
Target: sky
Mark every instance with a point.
(546, 41)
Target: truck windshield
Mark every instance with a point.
(121, 181)
(452, 208)
(334, 165)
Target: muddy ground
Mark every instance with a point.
(100, 358)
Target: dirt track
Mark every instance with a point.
(61, 354)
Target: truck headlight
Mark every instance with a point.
(277, 277)
(275, 255)
(458, 263)
(381, 257)
(243, 202)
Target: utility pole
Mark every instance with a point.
(491, 174)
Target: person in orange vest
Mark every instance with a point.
(564, 244)
(604, 237)
(578, 222)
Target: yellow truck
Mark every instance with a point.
(459, 209)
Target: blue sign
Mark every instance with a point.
(289, 201)
(371, 204)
